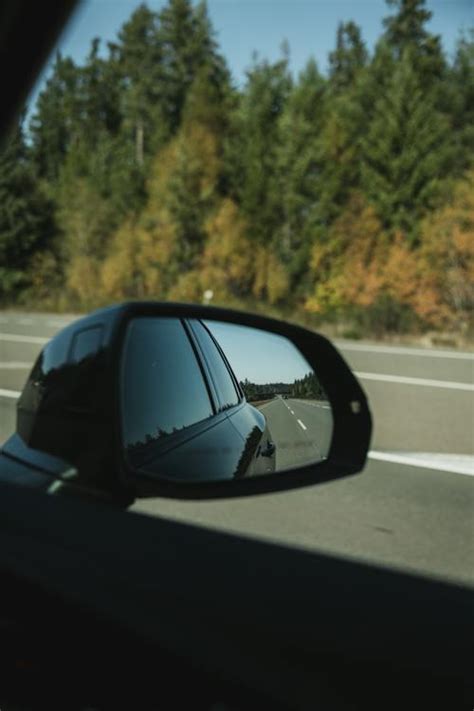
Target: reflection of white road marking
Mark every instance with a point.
(456, 463)
(301, 424)
(397, 350)
(10, 393)
(14, 365)
(16, 338)
(416, 381)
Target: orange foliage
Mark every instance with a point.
(359, 263)
(82, 278)
(227, 262)
(447, 258)
(346, 267)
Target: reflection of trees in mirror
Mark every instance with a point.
(263, 391)
(74, 386)
(307, 387)
(134, 447)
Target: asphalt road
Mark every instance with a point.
(412, 506)
(300, 429)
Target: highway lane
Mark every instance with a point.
(412, 517)
(436, 364)
(409, 518)
(300, 431)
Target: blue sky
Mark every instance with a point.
(245, 26)
(259, 356)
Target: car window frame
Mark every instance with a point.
(176, 438)
(202, 349)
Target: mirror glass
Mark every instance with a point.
(207, 400)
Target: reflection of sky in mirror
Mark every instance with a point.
(259, 356)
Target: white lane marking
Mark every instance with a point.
(17, 338)
(302, 424)
(292, 412)
(57, 324)
(14, 365)
(456, 463)
(15, 394)
(398, 350)
(404, 380)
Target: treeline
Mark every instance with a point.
(306, 387)
(146, 173)
(261, 391)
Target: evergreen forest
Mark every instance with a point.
(344, 197)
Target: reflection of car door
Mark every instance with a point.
(174, 414)
(258, 456)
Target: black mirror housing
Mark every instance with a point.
(70, 407)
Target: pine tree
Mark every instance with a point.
(258, 138)
(188, 46)
(406, 31)
(349, 57)
(459, 90)
(299, 170)
(55, 123)
(26, 223)
(406, 150)
(139, 59)
(99, 97)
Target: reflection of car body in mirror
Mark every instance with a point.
(184, 413)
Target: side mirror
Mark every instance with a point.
(185, 401)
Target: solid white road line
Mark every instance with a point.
(58, 324)
(400, 350)
(17, 338)
(456, 463)
(14, 365)
(405, 380)
(14, 394)
(302, 424)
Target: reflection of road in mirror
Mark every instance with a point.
(211, 401)
(280, 383)
(301, 430)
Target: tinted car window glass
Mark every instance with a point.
(86, 343)
(162, 383)
(224, 383)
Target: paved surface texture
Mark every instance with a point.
(418, 518)
(300, 429)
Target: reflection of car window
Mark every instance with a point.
(86, 343)
(163, 387)
(227, 392)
